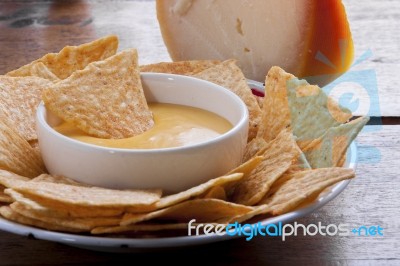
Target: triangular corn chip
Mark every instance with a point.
(197, 190)
(105, 100)
(62, 195)
(16, 154)
(303, 185)
(180, 67)
(71, 58)
(84, 224)
(40, 70)
(330, 149)
(10, 214)
(228, 75)
(203, 210)
(277, 158)
(19, 98)
(293, 103)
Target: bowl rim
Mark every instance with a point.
(41, 122)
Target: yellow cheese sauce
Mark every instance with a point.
(174, 126)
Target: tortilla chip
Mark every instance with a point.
(9, 214)
(71, 196)
(138, 228)
(257, 210)
(260, 101)
(229, 75)
(4, 198)
(105, 100)
(19, 98)
(203, 210)
(180, 67)
(275, 113)
(55, 212)
(9, 179)
(35, 146)
(17, 155)
(58, 180)
(277, 158)
(302, 186)
(41, 70)
(342, 161)
(84, 224)
(71, 58)
(297, 191)
(293, 103)
(217, 192)
(197, 190)
(253, 147)
(330, 149)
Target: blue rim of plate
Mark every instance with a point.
(115, 244)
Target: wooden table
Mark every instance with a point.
(29, 29)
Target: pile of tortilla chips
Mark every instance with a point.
(297, 143)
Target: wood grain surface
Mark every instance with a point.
(29, 29)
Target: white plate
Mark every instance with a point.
(113, 244)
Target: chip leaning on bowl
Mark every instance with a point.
(294, 149)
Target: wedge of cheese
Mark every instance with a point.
(309, 38)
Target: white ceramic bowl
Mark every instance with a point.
(171, 169)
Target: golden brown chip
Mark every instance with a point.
(275, 113)
(72, 197)
(31, 204)
(228, 75)
(9, 179)
(19, 98)
(50, 209)
(245, 169)
(248, 166)
(35, 146)
(293, 103)
(303, 185)
(58, 180)
(253, 147)
(105, 100)
(38, 69)
(55, 212)
(277, 158)
(71, 58)
(257, 210)
(181, 67)
(4, 198)
(9, 214)
(138, 228)
(197, 190)
(17, 155)
(203, 210)
(217, 192)
(330, 149)
(260, 101)
(342, 161)
(84, 224)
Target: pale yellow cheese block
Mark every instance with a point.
(304, 37)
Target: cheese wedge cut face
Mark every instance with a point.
(304, 37)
